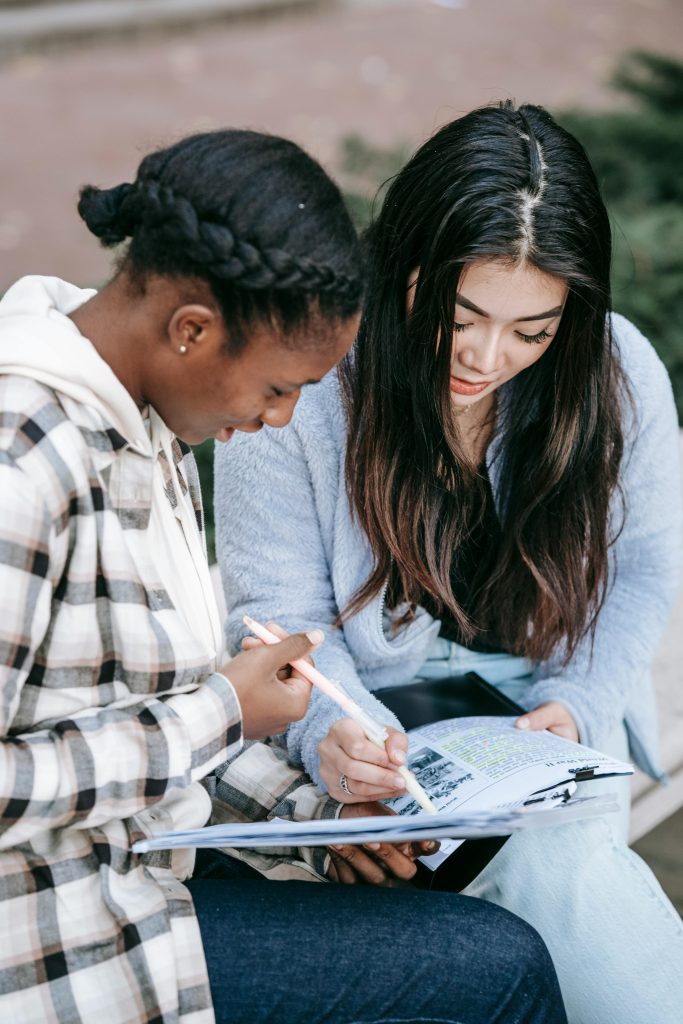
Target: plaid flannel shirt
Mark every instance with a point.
(109, 718)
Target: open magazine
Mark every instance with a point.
(486, 778)
(486, 764)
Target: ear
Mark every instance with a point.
(192, 326)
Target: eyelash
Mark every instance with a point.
(530, 339)
(535, 339)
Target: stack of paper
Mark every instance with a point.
(387, 828)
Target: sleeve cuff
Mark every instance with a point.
(212, 718)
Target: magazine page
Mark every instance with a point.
(487, 762)
(479, 772)
(475, 764)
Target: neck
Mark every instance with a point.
(108, 321)
(476, 423)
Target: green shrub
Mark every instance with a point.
(638, 156)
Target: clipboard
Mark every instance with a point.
(431, 700)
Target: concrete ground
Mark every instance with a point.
(391, 70)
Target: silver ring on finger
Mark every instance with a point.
(344, 785)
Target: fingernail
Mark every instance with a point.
(399, 756)
(372, 846)
(337, 849)
(399, 783)
(316, 636)
(522, 723)
(428, 845)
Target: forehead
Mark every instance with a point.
(510, 292)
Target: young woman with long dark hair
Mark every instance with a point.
(490, 483)
(241, 282)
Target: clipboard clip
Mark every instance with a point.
(582, 774)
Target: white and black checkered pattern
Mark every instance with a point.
(109, 717)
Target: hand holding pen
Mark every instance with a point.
(371, 771)
(374, 731)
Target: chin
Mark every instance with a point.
(466, 401)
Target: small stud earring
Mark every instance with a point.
(182, 349)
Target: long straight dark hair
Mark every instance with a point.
(502, 183)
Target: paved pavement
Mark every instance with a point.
(390, 69)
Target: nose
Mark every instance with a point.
(280, 410)
(481, 351)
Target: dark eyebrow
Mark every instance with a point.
(462, 301)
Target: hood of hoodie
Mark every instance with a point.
(38, 340)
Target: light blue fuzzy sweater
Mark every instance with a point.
(289, 550)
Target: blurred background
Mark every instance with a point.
(87, 87)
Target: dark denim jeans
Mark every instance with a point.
(304, 953)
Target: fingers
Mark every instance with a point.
(361, 790)
(374, 864)
(568, 732)
(343, 872)
(348, 736)
(249, 643)
(293, 647)
(377, 866)
(332, 778)
(361, 865)
(279, 632)
(552, 716)
(395, 860)
(397, 746)
(347, 751)
(293, 698)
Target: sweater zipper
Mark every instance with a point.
(382, 603)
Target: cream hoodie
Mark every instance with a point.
(38, 340)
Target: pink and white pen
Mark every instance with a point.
(373, 730)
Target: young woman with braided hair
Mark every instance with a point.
(240, 283)
(489, 484)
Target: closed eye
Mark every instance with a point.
(535, 339)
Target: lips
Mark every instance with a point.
(465, 387)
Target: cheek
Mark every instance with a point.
(528, 355)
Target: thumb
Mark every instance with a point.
(540, 718)
(294, 647)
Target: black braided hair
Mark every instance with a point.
(251, 214)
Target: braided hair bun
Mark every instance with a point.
(250, 213)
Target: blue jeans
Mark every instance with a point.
(615, 938)
(301, 953)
